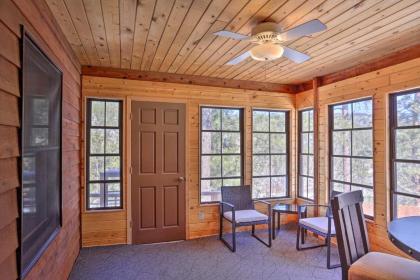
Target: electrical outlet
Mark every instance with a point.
(201, 215)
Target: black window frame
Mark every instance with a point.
(287, 154)
(89, 154)
(221, 130)
(393, 127)
(300, 153)
(331, 155)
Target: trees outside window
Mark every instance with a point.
(351, 150)
(405, 153)
(104, 154)
(306, 154)
(270, 154)
(221, 152)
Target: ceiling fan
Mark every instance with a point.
(269, 36)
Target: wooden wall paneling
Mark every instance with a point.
(57, 261)
(202, 219)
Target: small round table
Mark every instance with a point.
(282, 208)
(405, 234)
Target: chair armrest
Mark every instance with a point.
(302, 209)
(229, 205)
(268, 206)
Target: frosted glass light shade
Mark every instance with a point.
(266, 52)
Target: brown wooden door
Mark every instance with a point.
(158, 171)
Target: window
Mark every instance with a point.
(104, 154)
(351, 150)
(221, 151)
(40, 195)
(270, 154)
(306, 154)
(405, 153)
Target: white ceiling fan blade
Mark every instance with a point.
(304, 29)
(239, 59)
(295, 56)
(231, 35)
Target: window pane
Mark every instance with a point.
(278, 186)
(304, 139)
(304, 165)
(232, 182)
(278, 164)
(407, 143)
(231, 142)
(362, 143)
(96, 192)
(260, 143)
(305, 121)
(311, 143)
(211, 166)
(342, 143)
(210, 143)
(277, 121)
(260, 165)
(362, 114)
(407, 206)
(408, 109)
(113, 195)
(112, 141)
(311, 188)
(231, 166)
(368, 203)
(210, 190)
(210, 119)
(112, 170)
(311, 165)
(98, 113)
(40, 111)
(39, 136)
(230, 119)
(278, 143)
(407, 178)
(112, 113)
(97, 140)
(261, 187)
(342, 116)
(311, 120)
(96, 168)
(260, 121)
(342, 168)
(303, 186)
(362, 171)
(341, 187)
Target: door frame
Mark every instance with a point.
(134, 98)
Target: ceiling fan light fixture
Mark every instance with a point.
(266, 52)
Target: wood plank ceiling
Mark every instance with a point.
(175, 36)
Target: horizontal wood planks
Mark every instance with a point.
(58, 259)
(176, 36)
(378, 85)
(106, 227)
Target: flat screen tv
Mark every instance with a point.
(40, 196)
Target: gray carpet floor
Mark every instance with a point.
(207, 258)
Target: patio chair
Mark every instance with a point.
(320, 225)
(238, 208)
(357, 262)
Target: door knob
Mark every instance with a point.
(181, 179)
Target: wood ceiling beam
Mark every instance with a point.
(370, 66)
(185, 79)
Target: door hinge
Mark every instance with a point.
(130, 116)
(131, 170)
(131, 224)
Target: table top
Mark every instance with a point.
(404, 233)
(286, 208)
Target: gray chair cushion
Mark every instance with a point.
(318, 223)
(380, 266)
(246, 216)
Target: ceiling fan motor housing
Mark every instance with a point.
(266, 32)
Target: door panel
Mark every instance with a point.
(158, 171)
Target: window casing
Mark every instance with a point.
(405, 153)
(351, 150)
(221, 150)
(270, 153)
(104, 154)
(306, 188)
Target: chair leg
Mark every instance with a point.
(302, 232)
(329, 266)
(297, 238)
(234, 237)
(268, 244)
(220, 227)
(274, 225)
(233, 246)
(269, 233)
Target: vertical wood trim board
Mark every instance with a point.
(57, 261)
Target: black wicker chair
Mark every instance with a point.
(321, 225)
(237, 207)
